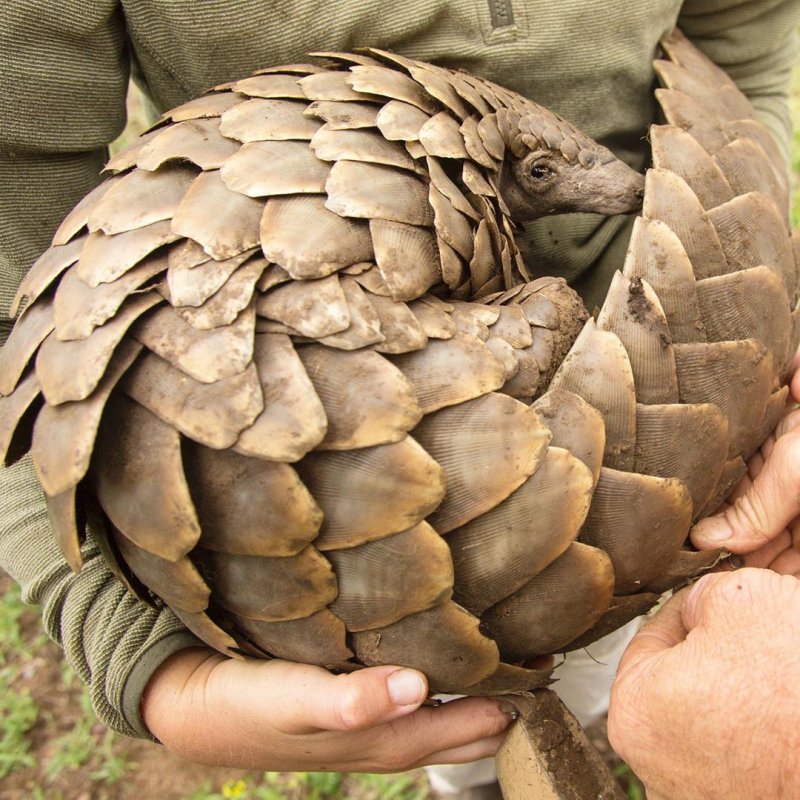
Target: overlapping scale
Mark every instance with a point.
(71, 370)
(380, 581)
(283, 360)
(64, 435)
(598, 370)
(45, 270)
(177, 582)
(389, 488)
(292, 421)
(32, 328)
(456, 439)
(668, 198)
(141, 198)
(249, 506)
(356, 418)
(195, 140)
(79, 309)
(640, 522)
(632, 311)
(462, 654)
(678, 151)
(661, 435)
(555, 607)
(269, 588)
(17, 414)
(748, 169)
(63, 518)
(656, 255)
(737, 376)
(317, 639)
(106, 258)
(752, 234)
(749, 304)
(495, 553)
(158, 513)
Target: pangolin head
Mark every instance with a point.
(553, 168)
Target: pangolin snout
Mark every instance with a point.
(614, 188)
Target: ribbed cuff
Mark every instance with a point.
(142, 669)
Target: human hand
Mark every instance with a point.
(761, 520)
(706, 700)
(277, 715)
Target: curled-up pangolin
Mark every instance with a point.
(288, 364)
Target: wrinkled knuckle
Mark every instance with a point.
(749, 514)
(401, 755)
(400, 762)
(497, 724)
(787, 454)
(742, 588)
(353, 709)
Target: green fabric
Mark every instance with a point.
(63, 74)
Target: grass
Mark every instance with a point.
(316, 786)
(18, 710)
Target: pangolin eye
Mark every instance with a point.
(540, 171)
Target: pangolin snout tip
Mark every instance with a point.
(617, 189)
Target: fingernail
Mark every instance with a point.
(712, 531)
(405, 687)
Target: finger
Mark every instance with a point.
(310, 699)
(370, 697)
(764, 510)
(795, 384)
(662, 632)
(764, 556)
(742, 488)
(469, 722)
(765, 450)
(721, 597)
(787, 563)
(466, 754)
(788, 423)
(754, 465)
(455, 732)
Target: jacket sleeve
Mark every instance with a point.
(63, 78)
(756, 42)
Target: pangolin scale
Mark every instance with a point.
(289, 366)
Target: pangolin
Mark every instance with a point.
(289, 365)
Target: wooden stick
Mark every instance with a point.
(546, 755)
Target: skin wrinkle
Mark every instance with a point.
(749, 732)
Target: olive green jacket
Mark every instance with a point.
(64, 69)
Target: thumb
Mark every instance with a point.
(355, 701)
(764, 510)
(661, 632)
(740, 600)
